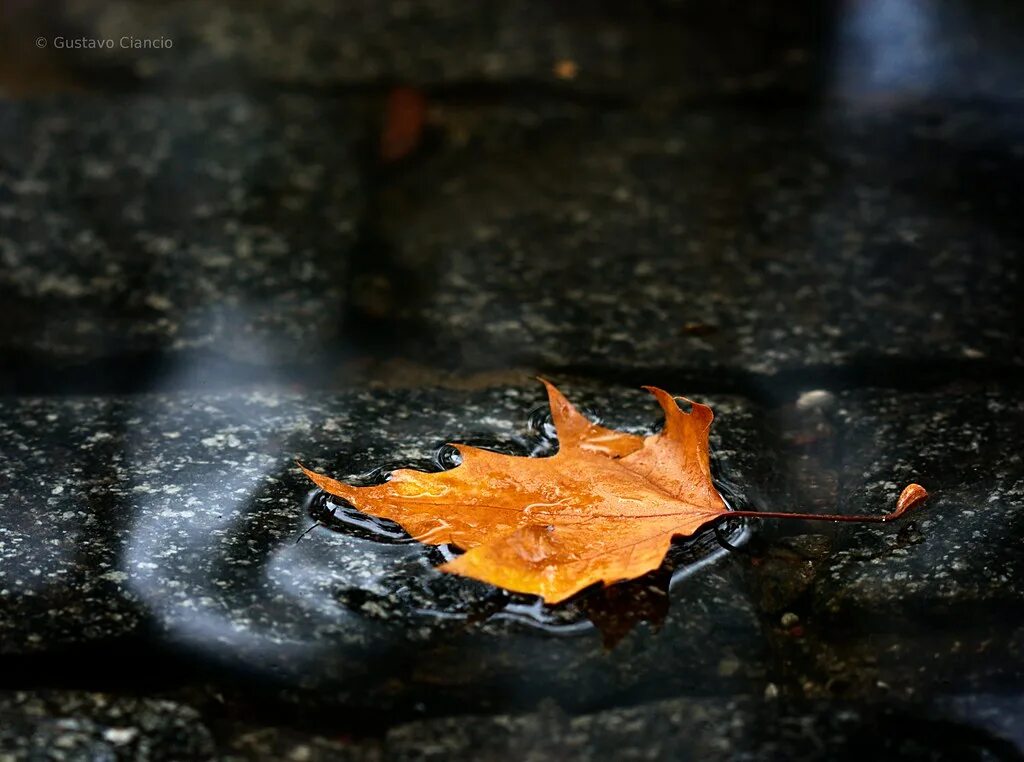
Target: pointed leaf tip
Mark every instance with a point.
(675, 415)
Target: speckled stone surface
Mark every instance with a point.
(143, 224)
(65, 725)
(62, 467)
(716, 729)
(612, 48)
(966, 447)
(557, 238)
(714, 240)
(182, 512)
(192, 522)
(666, 48)
(71, 725)
(937, 606)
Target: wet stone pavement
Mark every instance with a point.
(207, 272)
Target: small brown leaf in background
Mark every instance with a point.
(405, 116)
(565, 69)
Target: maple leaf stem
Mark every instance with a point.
(853, 519)
(911, 496)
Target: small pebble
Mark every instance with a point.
(120, 735)
(816, 399)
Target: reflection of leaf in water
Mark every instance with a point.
(456, 603)
(605, 508)
(615, 610)
(405, 115)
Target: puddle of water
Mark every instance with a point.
(408, 598)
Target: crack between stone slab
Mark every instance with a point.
(908, 374)
(29, 374)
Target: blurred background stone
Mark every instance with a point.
(149, 225)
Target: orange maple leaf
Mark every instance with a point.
(604, 508)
